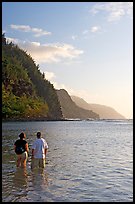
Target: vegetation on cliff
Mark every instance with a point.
(26, 94)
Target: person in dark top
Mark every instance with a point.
(21, 149)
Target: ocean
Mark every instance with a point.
(87, 161)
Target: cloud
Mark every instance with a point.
(26, 28)
(74, 37)
(67, 88)
(13, 40)
(59, 86)
(51, 52)
(85, 94)
(48, 53)
(49, 75)
(85, 32)
(115, 10)
(95, 29)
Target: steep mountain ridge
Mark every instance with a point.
(26, 94)
(71, 110)
(105, 112)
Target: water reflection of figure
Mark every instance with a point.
(39, 178)
(20, 178)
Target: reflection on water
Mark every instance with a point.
(27, 185)
(38, 182)
(39, 177)
(20, 178)
(86, 161)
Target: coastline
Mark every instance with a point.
(60, 119)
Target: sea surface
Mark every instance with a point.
(87, 161)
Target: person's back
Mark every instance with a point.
(39, 146)
(21, 149)
(39, 150)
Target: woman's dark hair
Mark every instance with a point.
(22, 135)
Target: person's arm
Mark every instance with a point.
(14, 147)
(32, 153)
(45, 151)
(27, 147)
(46, 148)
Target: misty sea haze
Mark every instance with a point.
(86, 161)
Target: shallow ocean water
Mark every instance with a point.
(86, 161)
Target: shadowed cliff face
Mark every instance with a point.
(105, 112)
(71, 110)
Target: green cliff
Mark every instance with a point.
(26, 94)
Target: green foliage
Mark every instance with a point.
(22, 107)
(25, 91)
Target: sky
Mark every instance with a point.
(85, 48)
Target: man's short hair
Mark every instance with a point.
(38, 134)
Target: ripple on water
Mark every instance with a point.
(86, 162)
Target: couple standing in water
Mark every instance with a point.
(39, 151)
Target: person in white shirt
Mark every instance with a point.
(39, 150)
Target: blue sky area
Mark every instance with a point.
(83, 47)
